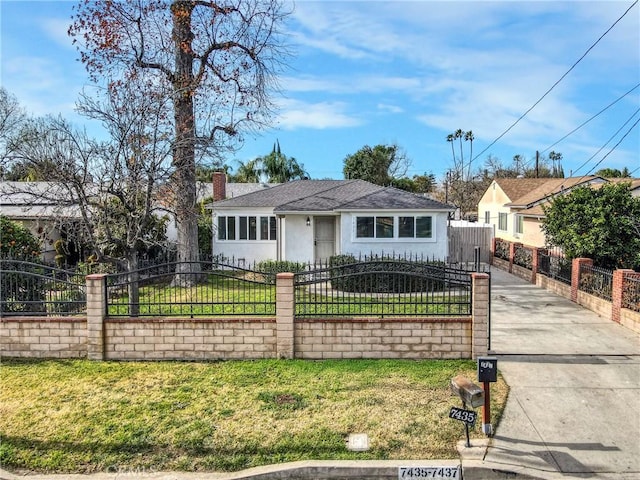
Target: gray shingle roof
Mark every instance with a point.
(332, 195)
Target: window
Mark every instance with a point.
(364, 227)
(384, 227)
(249, 228)
(226, 228)
(487, 217)
(406, 227)
(423, 227)
(519, 224)
(502, 222)
(267, 228)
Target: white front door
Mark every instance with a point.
(324, 237)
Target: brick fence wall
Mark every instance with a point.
(100, 338)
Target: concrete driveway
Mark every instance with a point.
(574, 404)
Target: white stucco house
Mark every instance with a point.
(310, 220)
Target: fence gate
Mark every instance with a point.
(463, 240)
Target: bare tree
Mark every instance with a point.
(215, 61)
(105, 194)
(12, 118)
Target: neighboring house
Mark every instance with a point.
(218, 189)
(307, 220)
(513, 206)
(41, 207)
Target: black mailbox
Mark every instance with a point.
(487, 369)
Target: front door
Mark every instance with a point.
(325, 237)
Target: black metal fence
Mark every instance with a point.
(383, 288)
(631, 294)
(596, 281)
(28, 288)
(555, 265)
(191, 289)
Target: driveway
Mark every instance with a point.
(574, 404)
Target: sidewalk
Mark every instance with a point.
(574, 403)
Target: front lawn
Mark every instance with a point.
(82, 416)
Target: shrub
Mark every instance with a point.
(385, 275)
(22, 288)
(272, 267)
(16, 242)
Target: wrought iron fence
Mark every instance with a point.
(631, 294)
(191, 289)
(382, 288)
(523, 257)
(28, 288)
(555, 265)
(502, 249)
(596, 281)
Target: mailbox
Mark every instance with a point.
(487, 369)
(469, 392)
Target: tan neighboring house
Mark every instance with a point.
(513, 206)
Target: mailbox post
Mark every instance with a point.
(487, 374)
(471, 395)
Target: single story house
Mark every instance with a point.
(311, 220)
(513, 206)
(42, 208)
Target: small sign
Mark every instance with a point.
(440, 473)
(487, 369)
(358, 442)
(466, 416)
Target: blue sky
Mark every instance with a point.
(404, 72)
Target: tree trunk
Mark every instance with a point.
(185, 201)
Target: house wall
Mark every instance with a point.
(435, 247)
(248, 250)
(533, 234)
(298, 238)
(493, 201)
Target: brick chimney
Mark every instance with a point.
(219, 186)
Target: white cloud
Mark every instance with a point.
(323, 115)
(56, 29)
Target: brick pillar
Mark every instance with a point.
(285, 313)
(512, 254)
(535, 262)
(617, 291)
(575, 275)
(480, 314)
(96, 313)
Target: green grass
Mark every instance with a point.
(81, 416)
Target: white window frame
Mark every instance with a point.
(251, 234)
(518, 225)
(503, 217)
(396, 228)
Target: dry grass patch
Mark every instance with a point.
(80, 416)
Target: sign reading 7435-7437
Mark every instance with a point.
(440, 473)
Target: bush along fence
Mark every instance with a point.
(613, 294)
(346, 309)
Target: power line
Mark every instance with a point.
(596, 115)
(555, 84)
(611, 138)
(615, 146)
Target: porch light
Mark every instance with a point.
(308, 222)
